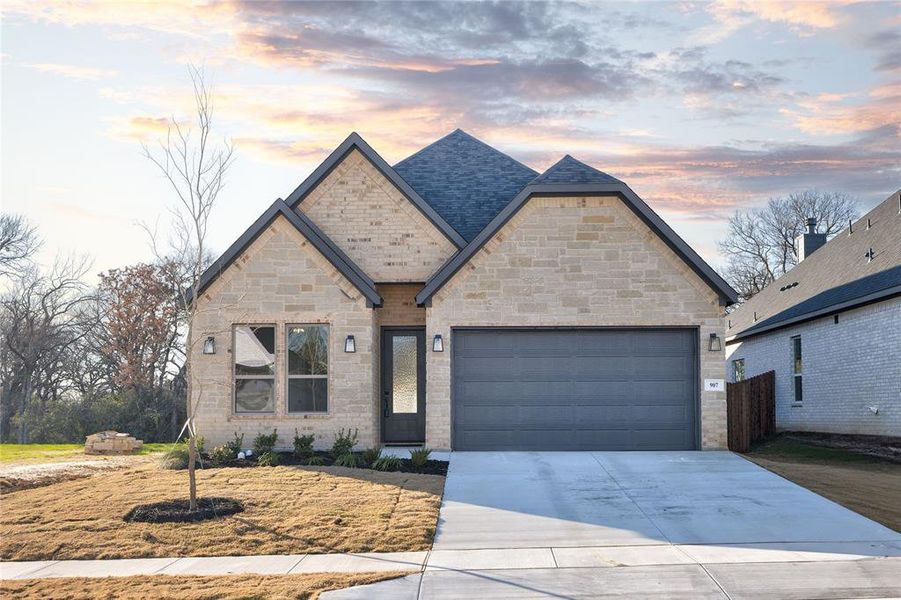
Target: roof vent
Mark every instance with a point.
(870, 255)
(788, 287)
(869, 224)
(850, 226)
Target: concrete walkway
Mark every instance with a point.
(649, 524)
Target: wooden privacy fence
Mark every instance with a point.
(751, 410)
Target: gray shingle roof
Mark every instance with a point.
(835, 277)
(570, 170)
(465, 180)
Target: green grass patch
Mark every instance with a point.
(788, 448)
(57, 452)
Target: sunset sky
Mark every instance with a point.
(701, 108)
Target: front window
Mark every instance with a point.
(307, 368)
(797, 367)
(738, 370)
(254, 369)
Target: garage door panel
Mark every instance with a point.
(511, 391)
(600, 389)
(591, 368)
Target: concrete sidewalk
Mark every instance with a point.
(218, 565)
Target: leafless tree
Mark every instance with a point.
(41, 318)
(195, 167)
(19, 242)
(760, 243)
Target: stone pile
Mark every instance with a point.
(111, 442)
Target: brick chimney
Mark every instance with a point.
(810, 241)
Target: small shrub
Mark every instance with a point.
(344, 442)
(269, 459)
(199, 443)
(176, 459)
(387, 463)
(265, 443)
(222, 455)
(348, 459)
(315, 461)
(419, 457)
(236, 445)
(303, 445)
(371, 455)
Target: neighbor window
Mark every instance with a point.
(796, 368)
(738, 369)
(307, 368)
(254, 368)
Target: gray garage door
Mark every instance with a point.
(601, 389)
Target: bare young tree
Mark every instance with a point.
(19, 242)
(195, 168)
(760, 243)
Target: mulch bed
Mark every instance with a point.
(325, 459)
(178, 511)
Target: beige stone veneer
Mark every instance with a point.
(375, 225)
(574, 262)
(282, 279)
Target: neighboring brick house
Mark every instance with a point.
(831, 330)
(462, 300)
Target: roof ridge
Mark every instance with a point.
(471, 137)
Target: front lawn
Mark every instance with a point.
(225, 587)
(37, 453)
(868, 485)
(287, 510)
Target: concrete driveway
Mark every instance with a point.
(649, 524)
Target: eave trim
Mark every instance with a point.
(637, 205)
(334, 159)
(313, 234)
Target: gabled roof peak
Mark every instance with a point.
(569, 170)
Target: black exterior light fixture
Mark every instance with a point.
(209, 345)
(715, 344)
(438, 344)
(349, 344)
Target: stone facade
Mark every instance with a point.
(282, 280)
(574, 262)
(848, 367)
(375, 225)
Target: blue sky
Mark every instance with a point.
(702, 108)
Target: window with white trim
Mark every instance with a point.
(254, 356)
(797, 368)
(307, 357)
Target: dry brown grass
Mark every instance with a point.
(154, 587)
(865, 484)
(288, 510)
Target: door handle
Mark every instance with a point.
(385, 409)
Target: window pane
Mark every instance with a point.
(799, 389)
(308, 395)
(254, 350)
(404, 374)
(739, 366)
(254, 395)
(308, 350)
(796, 354)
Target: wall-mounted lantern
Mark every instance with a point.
(209, 345)
(715, 344)
(438, 344)
(349, 344)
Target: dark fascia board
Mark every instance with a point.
(334, 159)
(319, 240)
(643, 211)
(879, 296)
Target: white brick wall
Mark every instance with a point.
(847, 367)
